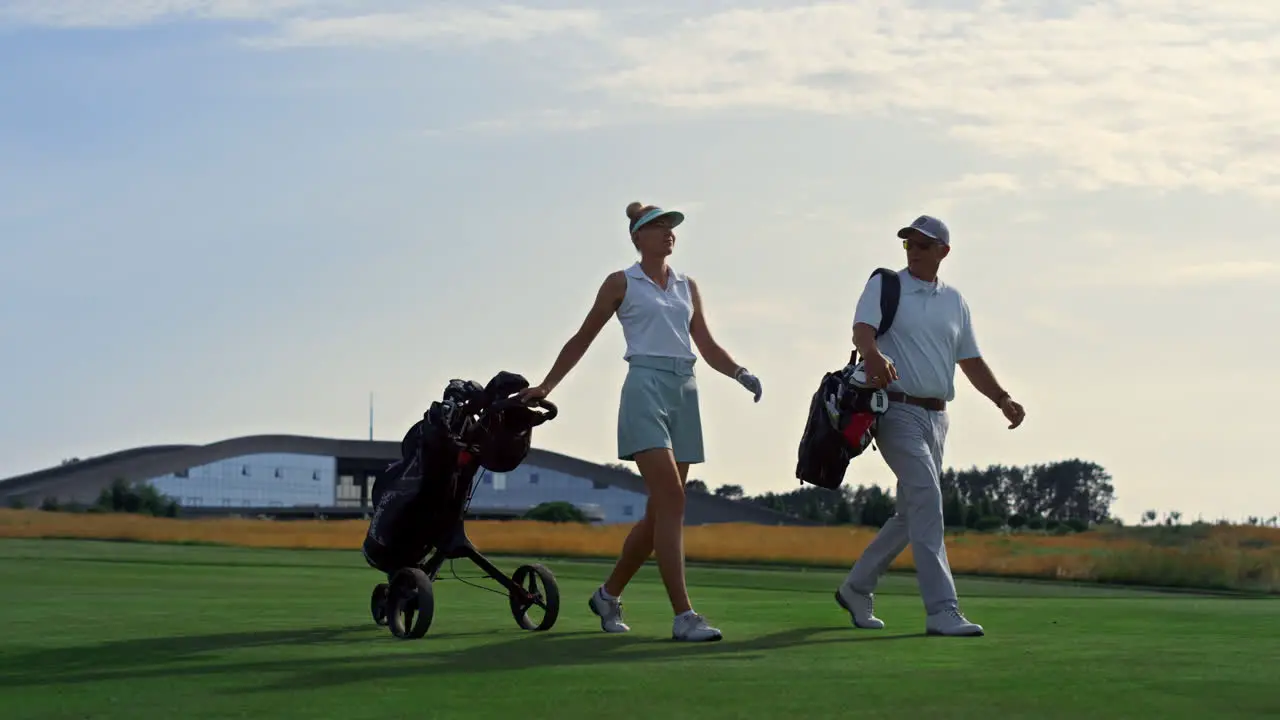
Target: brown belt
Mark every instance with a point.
(934, 404)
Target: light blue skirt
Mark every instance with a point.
(659, 409)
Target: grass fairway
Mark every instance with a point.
(124, 630)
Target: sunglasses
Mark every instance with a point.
(919, 244)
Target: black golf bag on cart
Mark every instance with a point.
(421, 499)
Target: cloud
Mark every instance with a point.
(753, 312)
(1143, 93)
(985, 182)
(978, 185)
(469, 25)
(1134, 272)
(133, 13)
(1152, 94)
(545, 120)
(312, 23)
(1059, 320)
(1223, 271)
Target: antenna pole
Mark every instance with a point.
(370, 416)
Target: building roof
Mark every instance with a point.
(83, 480)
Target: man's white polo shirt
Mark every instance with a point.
(931, 333)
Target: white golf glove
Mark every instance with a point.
(749, 381)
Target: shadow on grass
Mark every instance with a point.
(589, 648)
(372, 655)
(125, 658)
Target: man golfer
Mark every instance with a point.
(931, 334)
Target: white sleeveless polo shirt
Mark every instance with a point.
(656, 321)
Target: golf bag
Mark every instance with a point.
(843, 412)
(421, 497)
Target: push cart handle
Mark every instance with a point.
(549, 406)
(516, 401)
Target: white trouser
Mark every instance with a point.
(911, 440)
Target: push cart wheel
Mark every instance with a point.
(410, 604)
(541, 595)
(378, 604)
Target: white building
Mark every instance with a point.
(289, 474)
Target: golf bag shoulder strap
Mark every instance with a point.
(890, 291)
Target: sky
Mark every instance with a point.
(230, 217)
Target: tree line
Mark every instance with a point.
(1069, 495)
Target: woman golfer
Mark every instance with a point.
(659, 426)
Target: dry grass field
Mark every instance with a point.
(1228, 557)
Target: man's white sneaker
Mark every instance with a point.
(692, 627)
(861, 608)
(951, 623)
(610, 612)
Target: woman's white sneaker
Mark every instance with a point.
(609, 611)
(692, 627)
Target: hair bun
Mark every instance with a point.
(633, 210)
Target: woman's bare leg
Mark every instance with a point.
(639, 544)
(666, 507)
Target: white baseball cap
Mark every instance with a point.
(929, 226)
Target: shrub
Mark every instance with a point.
(137, 499)
(557, 512)
(987, 523)
(1077, 525)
